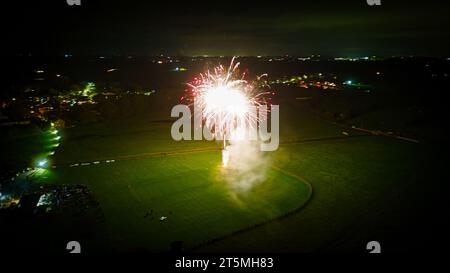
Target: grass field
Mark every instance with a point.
(186, 188)
(154, 173)
(323, 190)
(365, 188)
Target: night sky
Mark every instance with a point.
(127, 27)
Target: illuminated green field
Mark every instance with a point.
(153, 173)
(187, 189)
(358, 187)
(154, 176)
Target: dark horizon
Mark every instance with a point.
(312, 57)
(351, 29)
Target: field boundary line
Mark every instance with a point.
(265, 222)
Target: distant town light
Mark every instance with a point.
(42, 163)
(179, 69)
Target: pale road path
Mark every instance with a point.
(188, 151)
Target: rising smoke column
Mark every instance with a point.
(229, 102)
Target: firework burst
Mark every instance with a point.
(228, 102)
